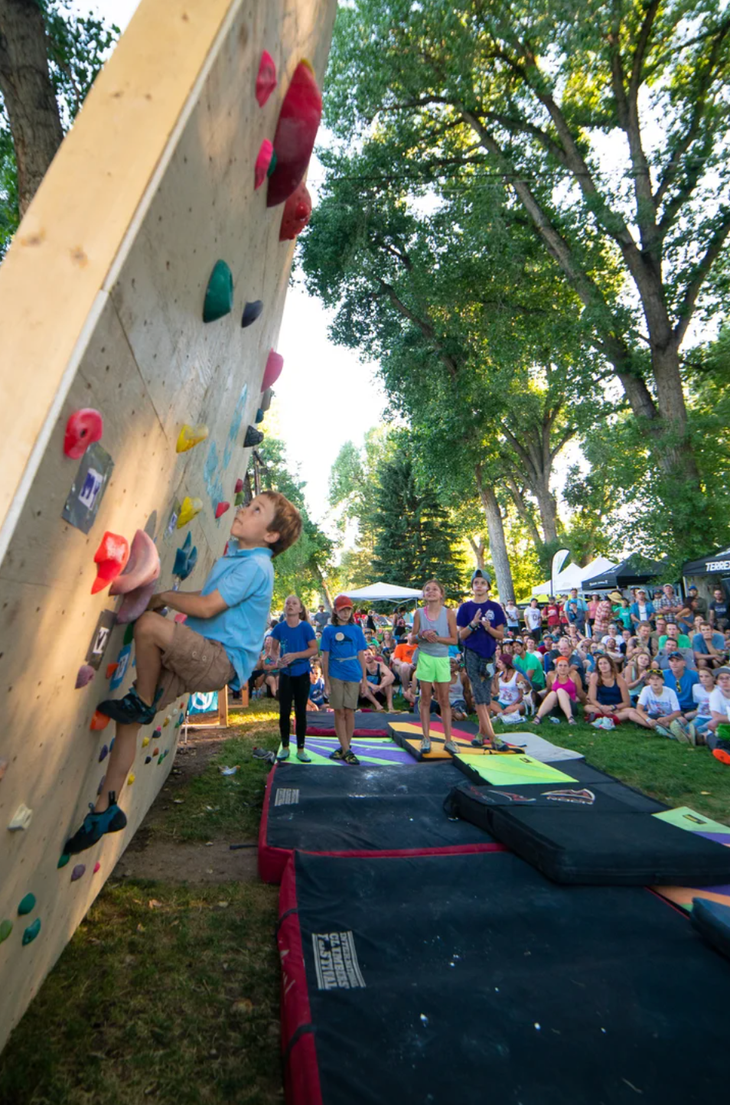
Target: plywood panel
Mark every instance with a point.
(101, 305)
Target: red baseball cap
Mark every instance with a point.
(342, 601)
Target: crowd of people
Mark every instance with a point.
(653, 658)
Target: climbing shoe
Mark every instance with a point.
(283, 755)
(338, 754)
(499, 745)
(95, 825)
(426, 744)
(449, 746)
(303, 756)
(479, 742)
(349, 757)
(130, 710)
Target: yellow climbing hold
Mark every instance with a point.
(188, 510)
(131, 779)
(166, 721)
(190, 436)
(145, 742)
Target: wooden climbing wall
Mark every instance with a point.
(101, 299)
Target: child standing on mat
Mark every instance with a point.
(434, 629)
(218, 644)
(343, 666)
(481, 625)
(295, 643)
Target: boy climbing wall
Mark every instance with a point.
(218, 644)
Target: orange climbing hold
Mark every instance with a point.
(110, 558)
(272, 372)
(190, 436)
(83, 428)
(99, 721)
(297, 213)
(110, 669)
(296, 131)
(266, 78)
(263, 160)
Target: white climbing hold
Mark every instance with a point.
(21, 819)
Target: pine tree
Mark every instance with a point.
(414, 539)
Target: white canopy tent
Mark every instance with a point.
(572, 576)
(383, 592)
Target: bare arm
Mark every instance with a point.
(413, 635)
(194, 605)
(625, 700)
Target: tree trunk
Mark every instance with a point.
(548, 510)
(497, 543)
(477, 547)
(29, 98)
(325, 588)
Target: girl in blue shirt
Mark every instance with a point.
(294, 644)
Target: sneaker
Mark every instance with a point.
(349, 757)
(694, 736)
(426, 745)
(303, 756)
(95, 825)
(679, 732)
(664, 732)
(264, 754)
(449, 746)
(283, 755)
(130, 710)
(510, 719)
(609, 723)
(338, 754)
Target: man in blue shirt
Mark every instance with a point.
(709, 647)
(681, 680)
(576, 610)
(218, 645)
(481, 624)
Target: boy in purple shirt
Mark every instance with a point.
(481, 624)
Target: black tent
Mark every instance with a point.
(707, 565)
(635, 569)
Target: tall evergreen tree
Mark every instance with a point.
(414, 539)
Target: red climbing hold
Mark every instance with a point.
(180, 618)
(272, 372)
(297, 213)
(83, 428)
(263, 160)
(110, 559)
(97, 866)
(266, 78)
(296, 131)
(99, 721)
(221, 509)
(110, 669)
(239, 487)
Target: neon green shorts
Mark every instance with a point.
(433, 669)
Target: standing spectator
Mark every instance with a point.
(708, 647)
(602, 619)
(481, 625)
(552, 613)
(668, 602)
(294, 646)
(533, 620)
(399, 627)
(343, 666)
(592, 607)
(576, 611)
(321, 618)
(719, 611)
(512, 614)
(434, 629)
(623, 614)
(642, 610)
(700, 603)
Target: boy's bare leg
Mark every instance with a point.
(485, 722)
(341, 729)
(121, 759)
(152, 636)
(349, 727)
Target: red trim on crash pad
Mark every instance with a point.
(301, 1072)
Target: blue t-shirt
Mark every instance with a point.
(294, 639)
(316, 692)
(343, 642)
(480, 641)
(245, 580)
(698, 643)
(683, 687)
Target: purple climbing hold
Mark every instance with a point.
(251, 312)
(101, 784)
(148, 759)
(84, 676)
(32, 931)
(104, 753)
(78, 871)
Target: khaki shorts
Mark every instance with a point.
(192, 663)
(343, 696)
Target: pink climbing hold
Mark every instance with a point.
(137, 581)
(296, 131)
(263, 160)
(110, 558)
(297, 213)
(179, 618)
(239, 487)
(266, 78)
(272, 372)
(97, 867)
(83, 428)
(221, 509)
(84, 676)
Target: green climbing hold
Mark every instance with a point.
(32, 931)
(129, 634)
(259, 416)
(63, 860)
(219, 293)
(240, 499)
(6, 927)
(272, 164)
(27, 904)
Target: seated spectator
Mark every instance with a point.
(388, 646)
(403, 665)
(564, 691)
(458, 692)
(552, 615)
(642, 610)
(317, 699)
(660, 631)
(657, 703)
(643, 635)
(686, 617)
(507, 689)
(700, 603)
(673, 634)
(575, 660)
(636, 673)
(380, 680)
(399, 627)
(528, 662)
(699, 719)
(719, 610)
(608, 695)
(709, 647)
(681, 679)
(718, 726)
(612, 647)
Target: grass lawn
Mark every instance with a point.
(169, 993)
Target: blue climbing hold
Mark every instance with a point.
(32, 931)
(26, 904)
(259, 416)
(186, 557)
(111, 743)
(148, 759)
(104, 753)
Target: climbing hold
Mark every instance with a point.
(297, 213)
(111, 743)
(221, 508)
(130, 779)
(251, 312)
(26, 905)
(272, 164)
(32, 931)
(158, 731)
(3, 767)
(219, 293)
(135, 603)
(111, 668)
(137, 581)
(190, 436)
(155, 751)
(6, 927)
(101, 784)
(166, 721)
(240, 498)
(128, 635)
(145, 741)
(84, 676)
(296, 130)
(188, 510)
(110, 558)
(98, 721)
(265, 78)
(266, 398)
(21, 819)
(179, 721)
(104, 753)
(97, 867)
(83, 428)
(260, 416)
(78, 871)
(180, 618)
(253, 437)
(63, 860)
(263, 161)
(239, 486)
(148, 759)
(272, 372)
